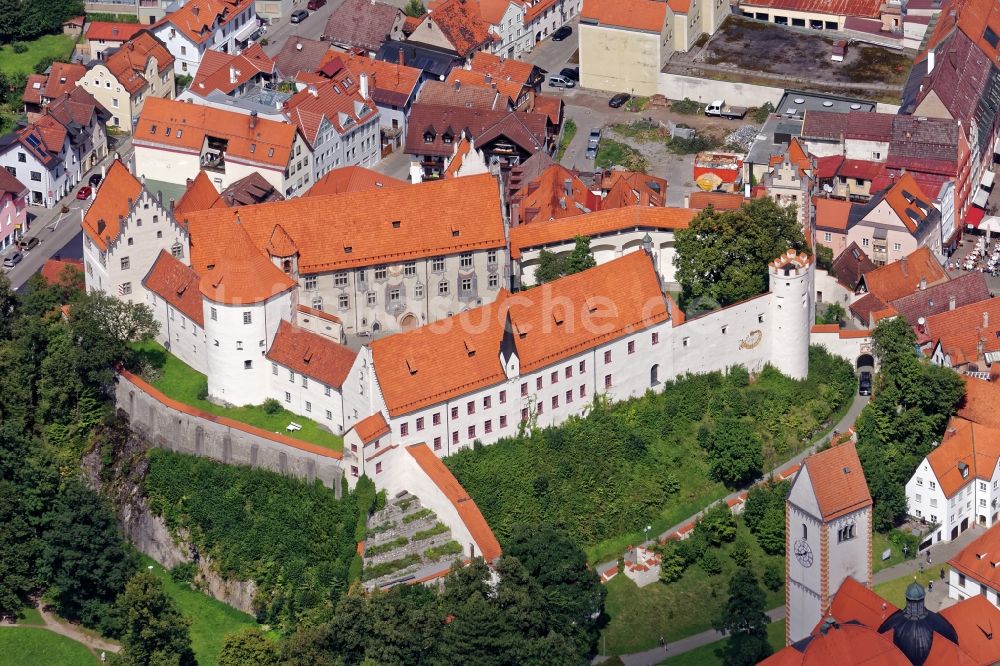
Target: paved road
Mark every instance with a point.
(56, 229)
(311, 28)
(553, 56)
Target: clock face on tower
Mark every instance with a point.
(803, 553)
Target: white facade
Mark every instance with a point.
(961, 587)
(976, 502)
(359, 145)
(515, 39)
(46, 185)
(179, 334)
(540, 23)
(229, 37)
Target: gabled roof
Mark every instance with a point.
(111, 32)
(173, 125)
(503, 69)
(832, 214)
(226, 72)
(980, 403)
(632, 188)
(903, 277)
(351, 179)
(966, 333)
(339, 100)
(975, 620)
(362, 23)
(311, 354)
(53, 269)
(128, 63)
(242, 275)
(863, 8)
(965, 289)
(968, 451)
(371, 428)
(717, 200)
(441, 93)
(391, 83)
(177, 284)
(545, 198)
(551, 106)
(527, 130)
(199, 195)
(511, 90)
(925, 144)
(833, 125)
(595, 224)
(460, 23)
(643, 15)
(10, 184)
(837, 480)
(854, 601)
(338, 232)
(851, 264)
(425, 366)
(249, 190)
(980, 559)
(909, 203)
(118, 188)
(299, 54)
(61, 78)
(198, 20)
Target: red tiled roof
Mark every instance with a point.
(964, 331)
(974, 445)
(851, 264)
(362, 23)
(980, 402)
(505, 69)
(979, 560)
(177, 284)
(717, 200)
(339, 100)
(352, 179)
(200, 195)
(119, 186)
(425, 366)
(226, 72)
(965, 290)
(854, 601)
(391, 83)
(311, 354)
(903, 277)
(242, 275)
(371, 428)
(53, 269)
(594, 224)
(831, 214)
(838, 481)
(975, 620)
(10, 184)
(551, 106)
(128, 64)
(511, 90)
(469, 513)
(299, 54)
(62, 78)
(200, 19)
(866, 8)
(527, 130)
(632, 188)
(111, 32)
(545, 198)
(645, 15)
(832, 125)
(462, 25)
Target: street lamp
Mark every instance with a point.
(646, 531)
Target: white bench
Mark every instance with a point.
(293, 426)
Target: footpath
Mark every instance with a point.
(67, 629)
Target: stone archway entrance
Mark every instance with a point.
(409, 322)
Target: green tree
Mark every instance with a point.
(744, 619)
(553, 266)
(550, 267)
(415, 9)
(249, 647)
(737, 453)
(718, 524)
(105, 327)
(8, 307)
(824, 259)
(154, 631)
(581, 258)
(672, 564)
(710, 562)
(724, 254)
(833, 314)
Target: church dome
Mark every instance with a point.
(914, 626)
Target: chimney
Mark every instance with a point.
(364, 85)
(402, 60)
(986, 320)
(298, 46)
(232, 74)
(253, 119)
(923, 283)
(922, 325)
(568, 187)
(903, 266)
(930, 61)
(951, 302)
(458, 84)
(489, 78)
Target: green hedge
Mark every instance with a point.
(417, 515)
(388, 567)
(448, 548)
(439, 528)
(627, 464)
(295, 540)
(386, 547)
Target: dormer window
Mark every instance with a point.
(448, 138)
(152, 129)
(166, 132)
(428, 137)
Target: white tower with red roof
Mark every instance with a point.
(791, 277)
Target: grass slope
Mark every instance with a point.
(211, 620)
(55, 46)
(28, 646)
(182, 383)
(705, 655)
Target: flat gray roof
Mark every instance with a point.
(794, 103)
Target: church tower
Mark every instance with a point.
(791, 279)
(828, 535)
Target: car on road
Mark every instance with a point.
(84, 192)
(619, 100)
(562, 33)
(299, 15)
(570, 73)
(592, 151)
(557, 81)
(95, 180)
(12, 259)
(865, 383)
(595, 135)
(315, 4)
(28, 244)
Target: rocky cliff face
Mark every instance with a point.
(116, 467)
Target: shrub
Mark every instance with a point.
(774, 575)
(718, 525)
(445, 549)
(385, 568)
(740, 553)
(686, 106)
(203, 393)
(386, 547)
(439, 528)
(760, 114)
(710, 562)
(672, 564)
(19, 47)
(184, 572)
(271, 406)
(417, 515)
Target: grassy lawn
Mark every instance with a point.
(39, 647)
(569, 131)
(705, 655)
(30, 617)
(211, 620)
(880, 541)
(894, 591)
(182, 382)
(639, 616)
(613, 153)
(55, 46)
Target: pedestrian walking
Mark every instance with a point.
(930, 586)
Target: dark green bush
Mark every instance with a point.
(19, 47)
(184, 572)
(271, 406)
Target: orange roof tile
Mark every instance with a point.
(595, 224)
(545, 198)
(62, 77)
(54, 268)
(854, 601)
(172, 125)
(717, 200)
(118, 188)
(860, 8)
(901, 278)
(831, 214)
(128, 64)
(968, 332)
(111, 32)
(979, 560)
(462, 149)
(980, 402)
(645, 15)
(390, 81)
(311, 354)
(838, 481)
(371, 427)
(976, 621)
(226, 72)
(342, 231)
(966, 446)
(177, 284)
(909, 202)
(319, 314)
(845, 645)
(199, 195)
(469, 513)
(507, 69)
(512, 90)
(433, 363)
(242, 275)
(825, 328)
(339, 100)
(550, 105)
(199, 19)
(352, 179)
(679, 6)
(461, 24)
(632, 188)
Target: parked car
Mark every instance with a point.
(299, 15)
(84, 192)
(28, 244)
(315, 4)
(95, 180)
(558, 81)
(570, 73)
(595, 135)
(592, 151)
(12, 259)
(562, 33)
(619, 100)
(865, 383)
